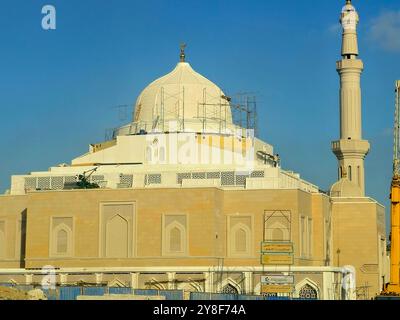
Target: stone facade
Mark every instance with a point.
(186, 231)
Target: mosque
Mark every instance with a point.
(184, 197)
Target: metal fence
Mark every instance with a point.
(227, 297)
(72, 292)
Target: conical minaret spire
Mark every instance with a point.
(351, 149)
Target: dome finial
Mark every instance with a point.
(182, 55)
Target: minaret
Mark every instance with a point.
(351, 149)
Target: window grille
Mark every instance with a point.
(213, 175)
(30, 183)
(241, 180)
(228, 178)
(229, 289)
(57, 183)
(308, 292)
(126, 180)
(198, 175)
(153, 179)
(181, 176)
(258, 174)
(44, 183)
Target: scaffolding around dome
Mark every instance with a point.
(226, 116)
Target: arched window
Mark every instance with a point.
(117, 238)
(350, 174)
(116, 283)
(62, 241)
(229, 289)
(2, 244)
(191, 286)
(308, 292)
(278, 234)
(359, 175)
(240, 240)
(117, 230)
(175, 238)
(153, 284)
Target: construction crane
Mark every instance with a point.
(84, 178)
(83, 181)
(393, 288)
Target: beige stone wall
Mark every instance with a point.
(12, 209)
(256, 202)
(321, 215)
(151, 205)
(207, 211)
(357, 226)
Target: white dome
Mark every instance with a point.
(184, 97)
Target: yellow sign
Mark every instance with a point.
(276, 288)
(272, 247)
(277, 259)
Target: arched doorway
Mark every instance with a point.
(229, 289)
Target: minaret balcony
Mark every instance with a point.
(351, 148)
(349, 64)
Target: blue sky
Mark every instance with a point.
(57, 88)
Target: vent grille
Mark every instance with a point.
(57, 183)
(199, 175)
(153, 179)
(30, 183)
(69, 179)
(241, 180)
(213, 175)
(228, 178)
(97, 178)
(181, 176)
(43, 183)
(258, 174)
(126, 181)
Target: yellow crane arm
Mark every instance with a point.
(394, 286)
